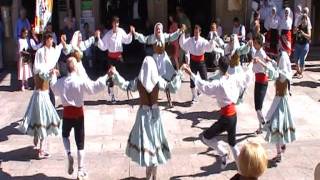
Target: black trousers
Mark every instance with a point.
(78, 125)
(260, 91)
(198, 67)
(117, 65)
(224, 123)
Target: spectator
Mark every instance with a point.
(86, 34)
(68, 29)
(272, 25)
(239, 29)
(219, 27)
(22, 22)
(252, 162)
(50, 30)
(174, 51)
(214, 35)
(24, 61)
(297, 15)
(303, 37)
(285, 27)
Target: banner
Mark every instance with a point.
(43, 14)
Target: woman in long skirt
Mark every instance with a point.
(147, 143)
(280, 125)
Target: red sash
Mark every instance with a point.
(115, 55)
(72, 112)
(228, 110)
(196, 58)
(261, 78)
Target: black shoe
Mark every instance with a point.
(277, 159)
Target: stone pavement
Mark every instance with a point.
(107, 128)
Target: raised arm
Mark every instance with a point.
(103, 43)
(144, 39)
(184, 42)
(126, 38)
(93, 87)
(123, 84)
(172, 36)
(174, 85)
(84, 45)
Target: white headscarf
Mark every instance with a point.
(232, 48)
(306, 11)
(149, 75)
(161, 40)
(285, 66)
(75, 40)
(286, 24)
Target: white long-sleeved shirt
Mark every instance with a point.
(261, 54)
(272, 22)
(226, 89)
(196, 47)
(240, 31)
(23, 45)
(285, 24)
(34, 45)
(72, 88)
(113, 41)
(46, 58)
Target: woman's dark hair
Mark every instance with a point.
(115, 19)
(23, 30)
(224, 64)
(46, 36)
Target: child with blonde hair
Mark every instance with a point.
(252, 162)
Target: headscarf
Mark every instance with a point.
(161, 41)
(306, 11)
(75, 42)
(149, 75)
(284, 66)
(232, 48)
(286, 23)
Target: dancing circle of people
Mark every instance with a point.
(147, 143)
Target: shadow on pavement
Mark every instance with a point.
(196, 116)
(23, 154)
(133, 178)
(7, 176)
(208, 170)
(14, 83)
(105, 102)
(310, 84)
(313, 70)
(9, 130)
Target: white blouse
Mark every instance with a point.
(113, 41)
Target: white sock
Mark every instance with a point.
(66, 143)
(235, 152)
(80, 159)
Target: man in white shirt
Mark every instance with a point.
(197, 46)
(226, 90)
(239, 29)
(112, 41)
(71, 90)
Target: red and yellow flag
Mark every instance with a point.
(43, 14)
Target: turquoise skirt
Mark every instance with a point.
(41, 118)
(280, 126)
(147, 144)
